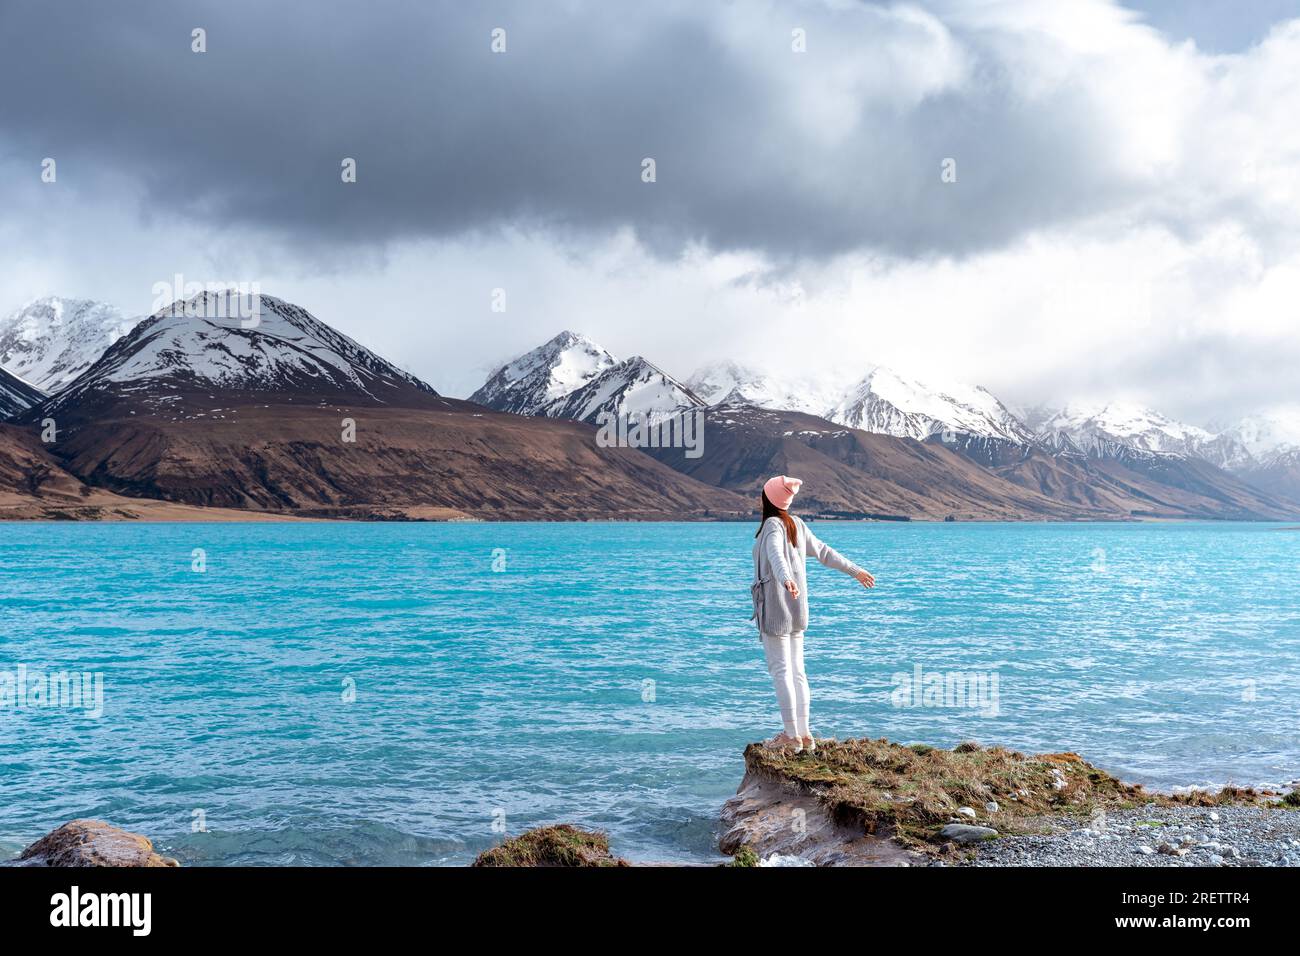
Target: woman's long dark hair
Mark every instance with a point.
(772, 511)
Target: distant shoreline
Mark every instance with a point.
(164, 512)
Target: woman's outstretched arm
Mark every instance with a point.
(816, 548)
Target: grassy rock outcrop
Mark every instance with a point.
(874, 802)
(558, 845)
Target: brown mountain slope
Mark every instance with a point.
(28, 473)
(1279, 477)
(855, 473)
(33, 486)
(282, 458)
(1142, 485)
(1125, 480)
(1194, 489)
(1066, 481)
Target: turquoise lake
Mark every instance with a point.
(330, 694)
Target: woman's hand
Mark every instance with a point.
(866, 579)
(793, 589)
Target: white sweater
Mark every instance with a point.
(788, 564)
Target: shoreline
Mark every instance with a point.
(151, 510)
(774, 820)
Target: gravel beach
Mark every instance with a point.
(1157, 836)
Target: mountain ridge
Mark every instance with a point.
(249, 345)
(275, 412)
(1120, 460)
(531, 382)
(208, 404)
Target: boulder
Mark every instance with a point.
(92, 843)
(966, 833)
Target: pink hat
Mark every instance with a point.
(781, 490)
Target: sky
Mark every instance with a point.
(1076, 201)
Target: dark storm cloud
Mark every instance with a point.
(753, 151)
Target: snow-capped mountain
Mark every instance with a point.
(883, 402)
(729, 383)
(1269, 434)
(634, 388)
(16, 396)
(889, 404)
(572, 377)
(547, 374)
(51, 341)
(1035, 417)
(216, 341)
(1097, 429)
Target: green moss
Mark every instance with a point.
(745, 856)
(559, 845)
(1292, 799)
(911, 792)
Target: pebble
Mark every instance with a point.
(1187, 836)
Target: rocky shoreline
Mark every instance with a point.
(877, 803)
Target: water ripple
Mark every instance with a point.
(606, 676)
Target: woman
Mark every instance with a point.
(781, 603)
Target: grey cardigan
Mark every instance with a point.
(776, 562)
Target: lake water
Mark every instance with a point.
(506, 675)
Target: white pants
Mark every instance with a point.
(785, 664)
